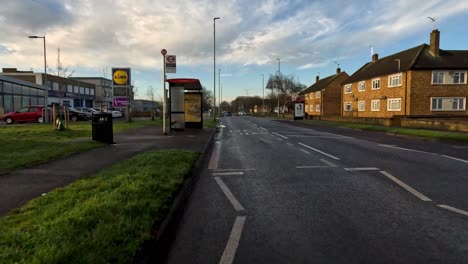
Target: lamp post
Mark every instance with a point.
(263, 90)
(214, 67)
(46, 116)
(219, 90)
(163, 53)
(279, 75)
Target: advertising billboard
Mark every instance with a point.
(121, 76)
(192, 106)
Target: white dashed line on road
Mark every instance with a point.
(450, 157)
(263, 128)
(406, 187)
(279, 135)
(319, 151)
(362, 169)
(305, 151)
(229, 195)
(233, 243)
(328, 163)
(407, 149)
(453, 209)
(228, 173)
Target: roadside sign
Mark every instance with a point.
(298, 110)
(170, 64)
(164, 52)
(121, 101)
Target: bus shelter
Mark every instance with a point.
(185, 103)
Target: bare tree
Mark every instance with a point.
(61, 71)
(285, 86)
(150, 93)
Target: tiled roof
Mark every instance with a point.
(416, 58)
(321, 84)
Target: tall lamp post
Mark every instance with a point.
(279, 75)
(214, 67)
(219, 89)
(46, 116)
(263, 90)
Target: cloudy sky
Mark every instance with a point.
(309, 37)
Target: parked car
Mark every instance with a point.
(74, 115)
(32, 113)
(115, 113)
(87, 110)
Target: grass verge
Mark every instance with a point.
(24, 145)
(210, 123)
(100, 219)
(440, 135)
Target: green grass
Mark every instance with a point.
(210, 123)
(100, 219)
(23, 145)
(436, 134)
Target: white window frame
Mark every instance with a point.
(307, 96)
(461, 77)
(311, 108)
(376, 84)
(361, 106)
(375, 105)
(317, 108)
(390, 102)
(439, 74)
(318, 94)
(311, 96)
(348, 88)
(450, 101)
(394, 80)
(361, 86)
(347, 104)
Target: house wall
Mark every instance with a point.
(422, 90)
(383, 94)
(313, 101)
(332, 96)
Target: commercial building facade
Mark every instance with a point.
(15, 93)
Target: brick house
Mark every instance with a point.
(421, 81)
(324, 96)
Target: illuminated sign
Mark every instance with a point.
(121, 76)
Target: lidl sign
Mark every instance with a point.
(121, 76)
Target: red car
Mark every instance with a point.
(32, 113)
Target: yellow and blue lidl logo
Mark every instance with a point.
(121, 76)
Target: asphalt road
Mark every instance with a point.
(288, 192)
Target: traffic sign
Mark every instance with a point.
(170, 64)
(164, 52)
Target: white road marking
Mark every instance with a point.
(263, 128)
(329, 163)
(214, 160)
(406, 187)
(313, 167)
(407, 149)
(233, 243)
(319, 151)
(305, 151)
(453, 209)
(279, 135)
(220, 170)
(290, 144)
(229, 195)
(228, 173)
(362, 169)
(460, 147)
(450, 157)
(298, 136)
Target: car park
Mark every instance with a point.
(32, 113)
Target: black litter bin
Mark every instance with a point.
(102, 127)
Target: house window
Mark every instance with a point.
(348, 88)
(91, 91)
(55, 86)
(362, 86)
(347, 106)
(70, 88)
(307, 96)
(311, 108)
(317, 108)
(394, 80)
(311, 95)
(375, 84)
(362, 106)
(375, 105)
(317, 94)
(76, 89)
(394, 104)
(448, 104)
(437, 77)
(459, 77)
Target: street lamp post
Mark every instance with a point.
(279, 75)
(46, 116)
(263, 90)
(214, 67)
(219, 89)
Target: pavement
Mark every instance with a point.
(20, 186)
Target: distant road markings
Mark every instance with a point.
(450, 157)
(279, 135)
(228, 173)
(406, 187)
(233, 243)
(290, 144)
(362, 169)
(319, 151)
(229, 195)
(328, 163)
(263, 128)
(305, 151)
(407, 149)
(221, 170)
(453, 209)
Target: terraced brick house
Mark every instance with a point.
(422, 81)
(324, 96)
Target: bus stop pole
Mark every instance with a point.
(164, 92)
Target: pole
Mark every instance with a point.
(164, 95)
(219, 88)
(46, 92)
(263, 89)
(214, 68)
(279, 75)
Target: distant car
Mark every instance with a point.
(74, 115)
(87, 110)
(116, 114)
(32, 113)
(227, 113)
(241, 113)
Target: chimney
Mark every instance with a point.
(338, 70)
(435, 38)
(317, 78)
(375, 57)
